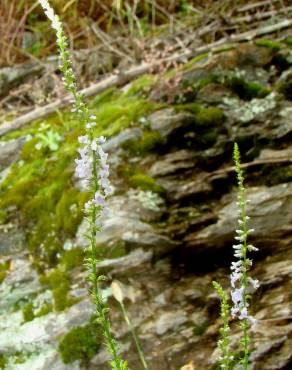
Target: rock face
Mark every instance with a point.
(264, 204)
(170, 234)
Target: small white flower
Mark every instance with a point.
(101, 140)
(254, 282)
(94, 145)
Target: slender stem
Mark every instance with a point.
(135, 337)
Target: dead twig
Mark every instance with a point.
(253, 6)
(259, 162)
(108, 42)
(259, 16)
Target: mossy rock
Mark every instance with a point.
(208, 117)
(150, 141)
(45, 309)
(4, 267)
(72, 258)
(27, 312)
(188, 107)
(144, 182)
(81, 343)
(53, 208)
(59, 282)
(3, 361)
(285, 85)
(69, 210)
(141, 86)
(244, 89)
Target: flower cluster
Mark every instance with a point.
(240, 281)
(93, 159)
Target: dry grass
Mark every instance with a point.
(119, 23)
(13, 17)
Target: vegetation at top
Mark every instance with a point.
(25, 32)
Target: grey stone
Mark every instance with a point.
(167, 121)
(173, 162)
(9, 151)
(118, 140)
(133, 262)
(12, 239)
(265, 203)
(14, 76)
(170, 321)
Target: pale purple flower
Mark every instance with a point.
(243, 313)
(83, 139)
(237, 296)
(83, 168)
(99, 199)
(235, 276)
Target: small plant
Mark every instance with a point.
(49, 140)
(223, 343)
(240, 280)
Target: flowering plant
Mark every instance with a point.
(240, 279)
(92, 168)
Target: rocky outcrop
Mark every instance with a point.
(171, 222)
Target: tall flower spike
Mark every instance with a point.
(92, 167)
(240, 281)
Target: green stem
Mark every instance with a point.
(136, 339)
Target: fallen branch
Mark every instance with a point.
(259, 16)
(113, 80)
(245, 36)
(259, 4)
(130, 75)
(259, 162)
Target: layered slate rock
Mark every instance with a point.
(264, 204)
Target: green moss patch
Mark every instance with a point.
(285, 88)
(144, 182)
(211, 116)
(72, 258)
(244, 89)
(4, 267)
(274, 46)
(59, 281)
(3, 361)
(27, 312)
(141, 86)
(81, 343)
(149, 141)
